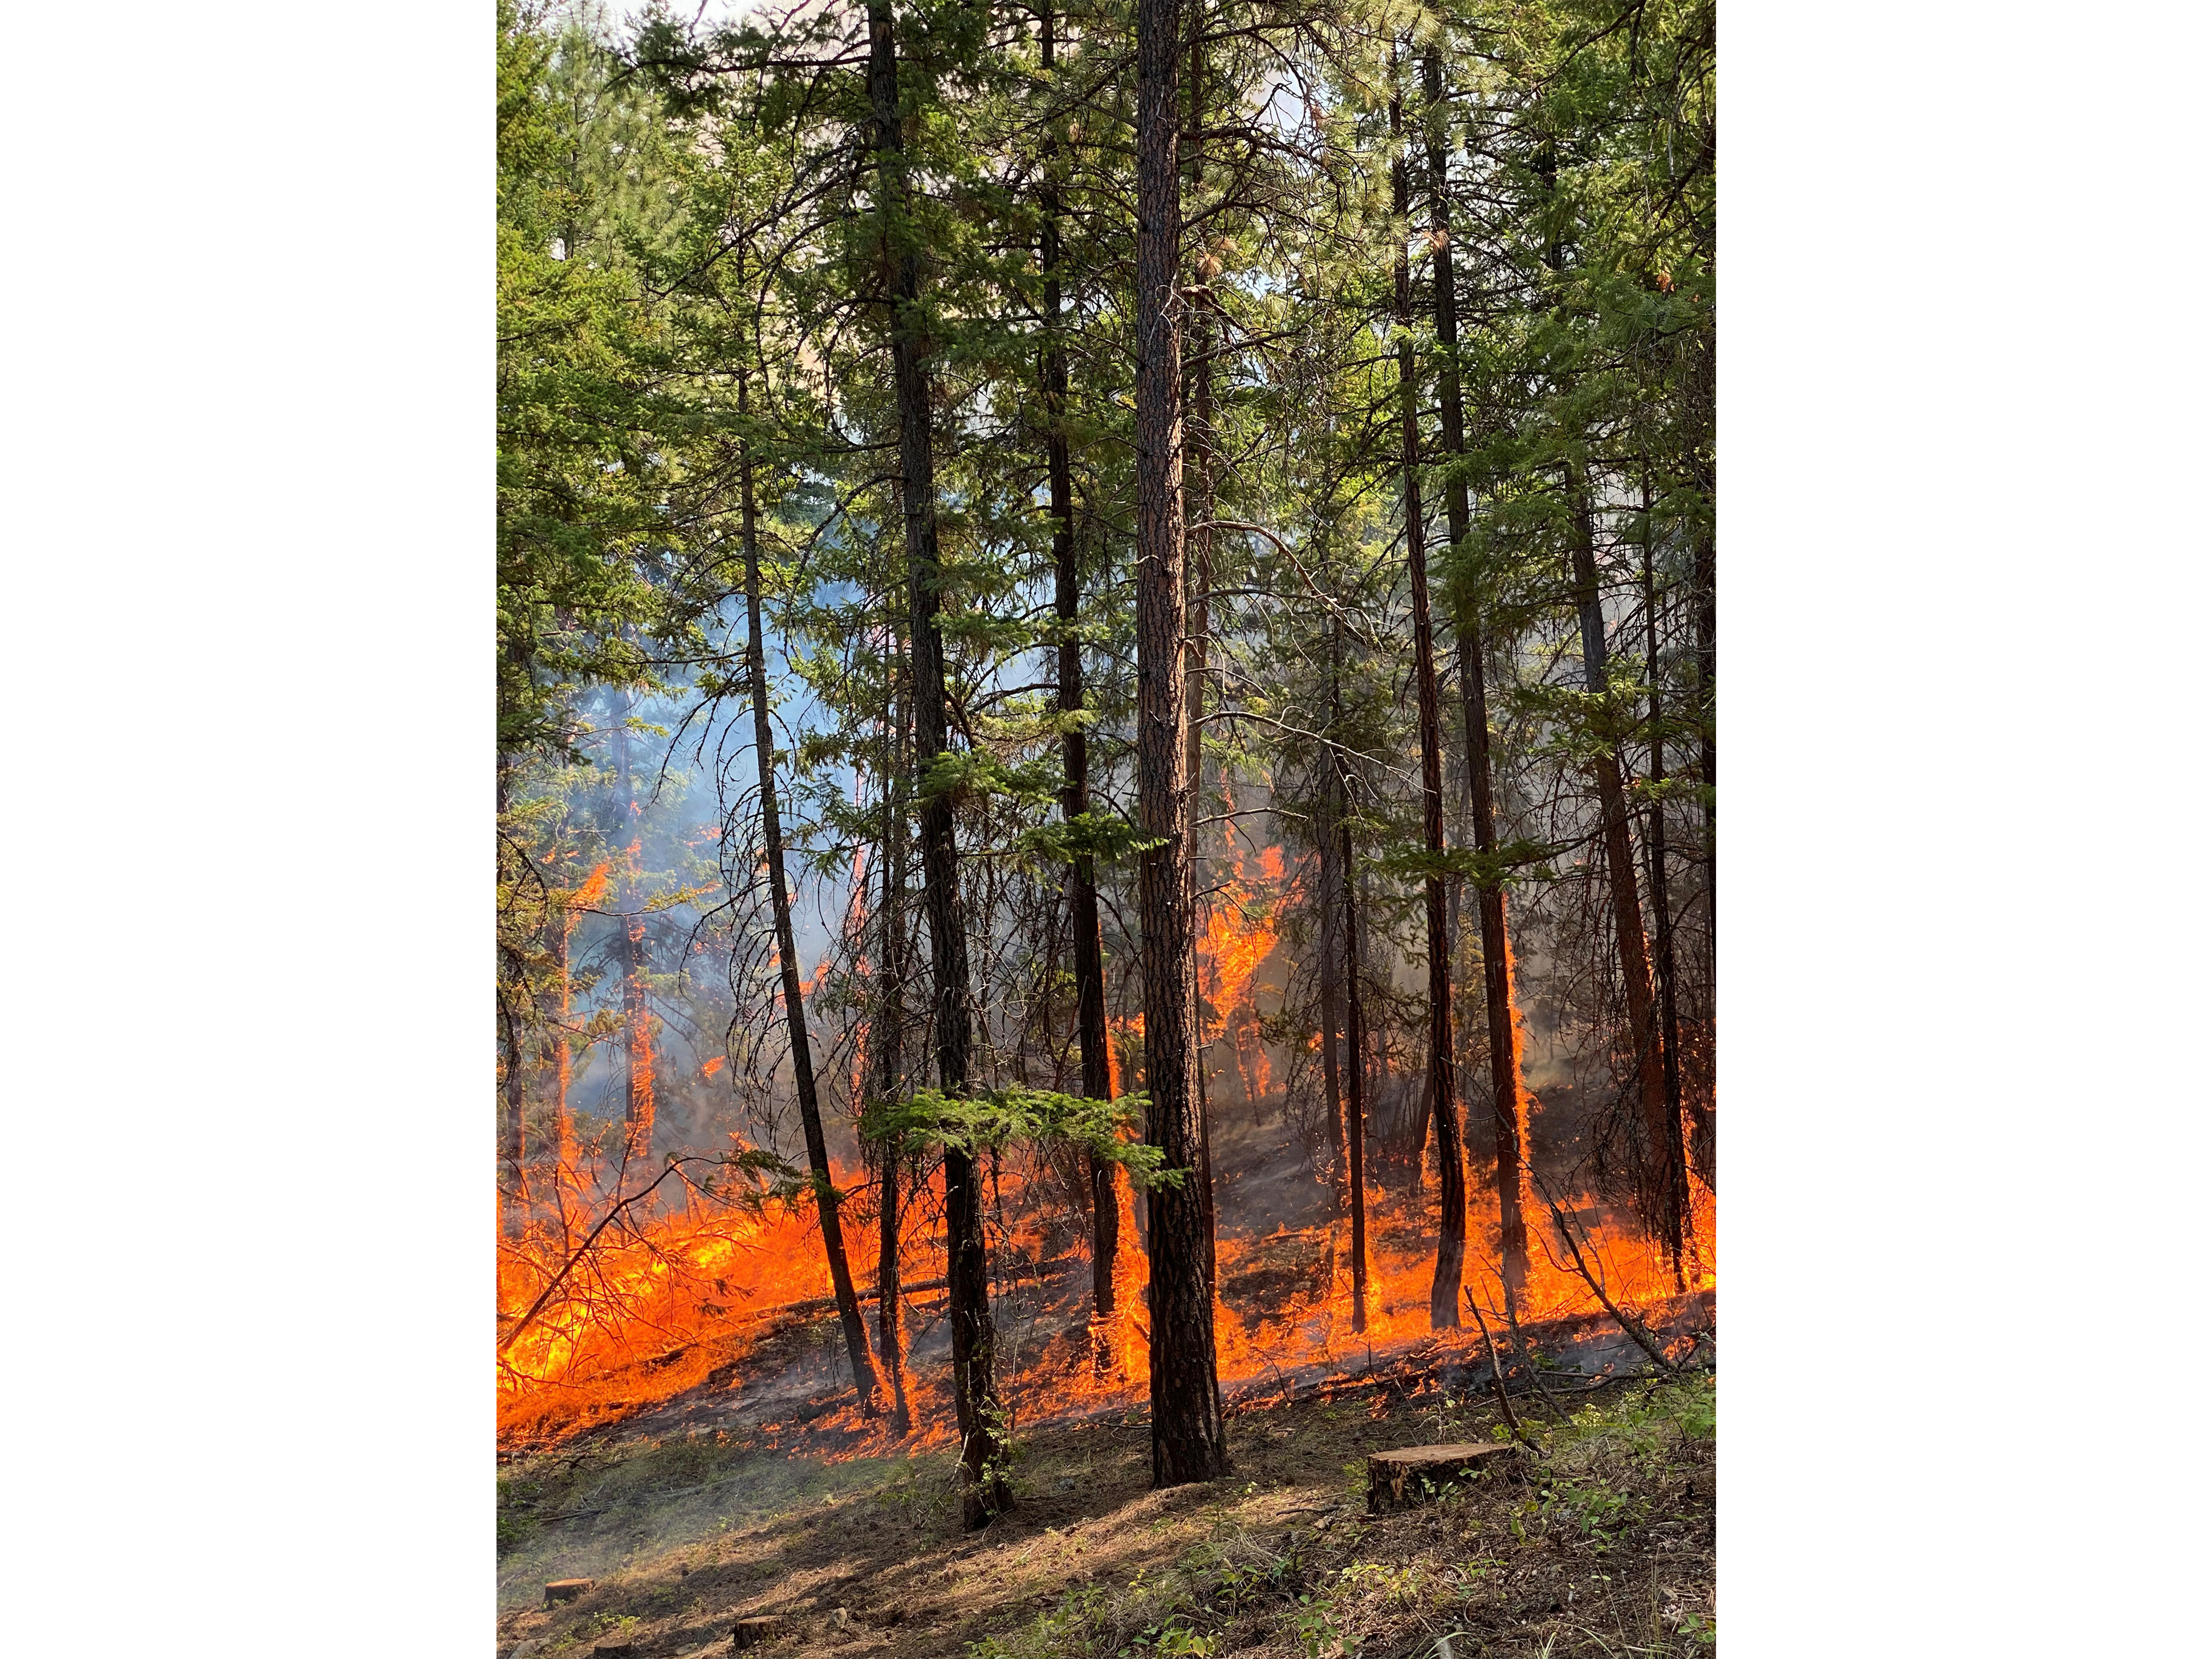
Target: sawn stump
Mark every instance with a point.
(1416, 1473)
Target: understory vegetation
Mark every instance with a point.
(1600, 1542)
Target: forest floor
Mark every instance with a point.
(1605, 1545)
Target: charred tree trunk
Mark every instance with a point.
(1443, 1086)
(1509, 1105)
(1187, 1442)
(826, 1196)
(983, 1489)
(1075, 753)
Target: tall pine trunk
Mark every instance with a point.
(1443, 1084)
(1354, 1142)
(1330, 972)
(1667, 1177)
(887, 1028)
(512, 989)
(518, 1184)
(1198, 572)
(1703, 600)
(1509, 1102)
(1355, 1071)
(560, 927)
(975, 1391)
(1664, 1188)
(1075, 756)
(1188, 1441)
(826, 1197)
(1655, 851)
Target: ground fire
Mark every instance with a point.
(677, 1293)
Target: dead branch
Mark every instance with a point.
(1636, 1334)
(1497, 1372)
(578, 1255)
(1527, 1353)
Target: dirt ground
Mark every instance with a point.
(1604, 1545)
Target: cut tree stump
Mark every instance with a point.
(566, 1590)
(751, 1632)
(1415, 1474)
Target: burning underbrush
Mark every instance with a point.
(722, 1311)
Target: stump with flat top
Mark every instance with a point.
(566, 1590)
(751, 1632)
(1415, 1474)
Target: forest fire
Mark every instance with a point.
(664, 1297)
(680, 1296)
(1091, 926)
(685, 1298)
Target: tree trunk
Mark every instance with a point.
(983, 1489)
(1701, 586)
(889, 1030)
(1667, 1176)
(560, 927)
(1075, 756)
(518, 1191)
(511, 988)
(1654, 850)
(1509, 1102)
(1330, 969)
(826, 1196)
(1187, 1442)
(637, 1108)
(1198, 571)
(1355, 1037)
(1442, 1086)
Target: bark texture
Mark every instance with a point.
(1442, 1086)
(1666, 1177)
(975, 1392)
(887, 1031)
(1187, 1442)
(1355, 1078)
(1508, 1106)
